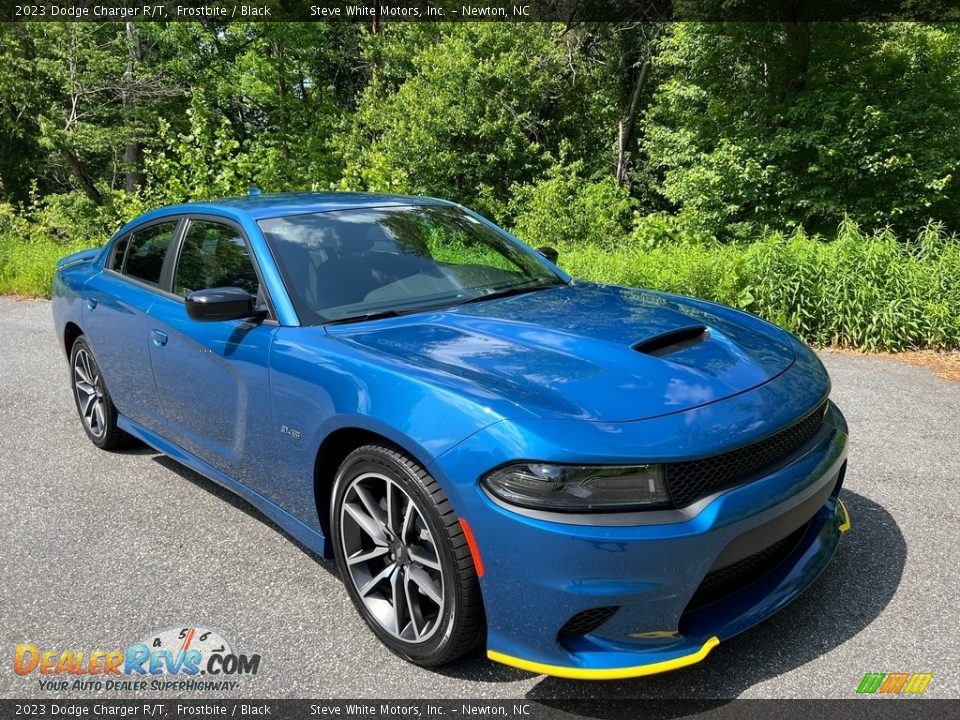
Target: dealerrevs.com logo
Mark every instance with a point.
(187, 657)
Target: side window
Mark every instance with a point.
(119, 250)
(214, 255)
(146, 252)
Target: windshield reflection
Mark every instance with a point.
(378, 262)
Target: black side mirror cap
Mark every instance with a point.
(549, 253)
(225, 303)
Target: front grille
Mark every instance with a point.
(687, 482)
(586, 621)
(726, 581)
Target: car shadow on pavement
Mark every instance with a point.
(135, 447)
(850, 594)
(240, 504)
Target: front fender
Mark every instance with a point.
(319, 386)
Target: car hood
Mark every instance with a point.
(585, 351)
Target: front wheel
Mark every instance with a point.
(403, 557)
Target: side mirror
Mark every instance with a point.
(549, 253)
(225, 303)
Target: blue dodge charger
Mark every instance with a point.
(590, 481)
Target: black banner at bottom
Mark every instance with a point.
(868, 709)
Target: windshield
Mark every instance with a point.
(358, 264)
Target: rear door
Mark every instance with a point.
(115, 317)
(212, 377)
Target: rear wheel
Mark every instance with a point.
(96, 409)
(403, 557)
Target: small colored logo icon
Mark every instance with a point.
(894, 683)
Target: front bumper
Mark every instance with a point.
(541, 573)
(597, 658)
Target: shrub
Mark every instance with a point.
(33, 238)
(867, 291)
(465, 111)
(800, 124)
(565, 209)
(26, 268)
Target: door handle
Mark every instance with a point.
(159, 337)
(91, 303)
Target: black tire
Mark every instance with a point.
(100, 423)
(431, 633)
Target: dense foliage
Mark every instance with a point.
(858, 290)
(713, 159)
(784, 126)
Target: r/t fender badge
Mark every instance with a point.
(286, 430)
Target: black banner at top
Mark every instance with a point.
(566, 11)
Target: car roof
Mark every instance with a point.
(280, 204)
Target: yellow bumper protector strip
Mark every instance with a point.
(605, 673)
(844, 516)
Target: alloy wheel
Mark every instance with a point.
(88, 386)
(391, 557)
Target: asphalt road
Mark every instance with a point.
(99, 549)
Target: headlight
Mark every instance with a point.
(578, 488)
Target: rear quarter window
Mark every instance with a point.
(118, 253)
(146, 251)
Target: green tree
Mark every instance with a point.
(467, 110)
(792, 124)
(20, 150)
(278, 90)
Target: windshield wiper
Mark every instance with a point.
(507, 292)
(368, 316)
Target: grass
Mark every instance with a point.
(872, 292)
(26, 266)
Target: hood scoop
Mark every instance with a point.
(673, 340)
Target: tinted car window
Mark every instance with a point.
(214, 255)
(147, 249)
(119, 250)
